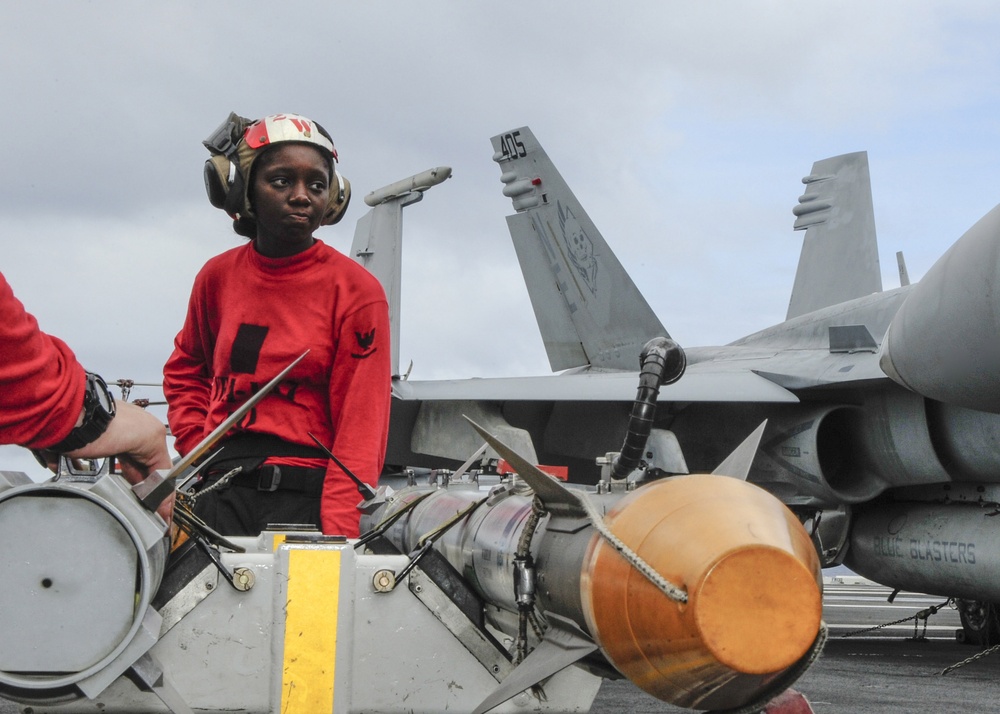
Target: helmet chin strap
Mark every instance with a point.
(340, 186)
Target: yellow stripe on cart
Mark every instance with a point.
(310, 631)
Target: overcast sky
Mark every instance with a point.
(684, 128)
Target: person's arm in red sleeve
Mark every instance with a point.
(360, 392)
(41, 383)
(187, 381)
(41, 399)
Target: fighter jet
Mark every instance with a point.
(881, 405)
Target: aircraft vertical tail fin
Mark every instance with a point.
(588, 309)
(378, 239)
(839, 259)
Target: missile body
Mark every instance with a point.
(418, 183)
(749, 571)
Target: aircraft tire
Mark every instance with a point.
(980, 622)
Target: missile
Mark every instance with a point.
(943, 342)
(418, 183)
(703, 590)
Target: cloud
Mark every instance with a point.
(684, 127)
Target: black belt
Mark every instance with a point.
(250, 450)
(275, 477)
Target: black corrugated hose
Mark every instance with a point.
(662, 361)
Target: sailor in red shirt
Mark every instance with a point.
(48, 403)
(253, 310)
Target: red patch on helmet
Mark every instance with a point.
(256, 134)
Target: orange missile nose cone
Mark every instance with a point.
(757, 609)
(752, 579)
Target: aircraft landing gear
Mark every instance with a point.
(980, 622)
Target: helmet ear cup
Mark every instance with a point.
(224, 184)
(216, 173)
(340, 198)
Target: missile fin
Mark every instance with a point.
(553, 494)
(563, 644)
(738, 463)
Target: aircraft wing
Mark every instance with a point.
(695, 386)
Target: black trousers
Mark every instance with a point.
(242, 511)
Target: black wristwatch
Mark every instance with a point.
(98, 411)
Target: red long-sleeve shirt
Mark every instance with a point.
(250, 316)
(41, 383)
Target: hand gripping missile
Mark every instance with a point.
(704, 590)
